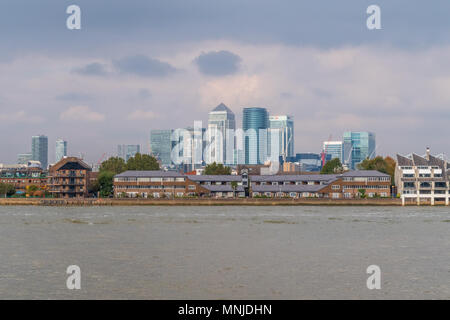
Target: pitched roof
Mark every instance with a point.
(404, 161)
(70, 163)
(149, 174)
(364, 173)
(295, 177)
(222, 107)
(200, 178)
(419, 161)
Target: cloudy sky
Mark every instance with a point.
(141, 65)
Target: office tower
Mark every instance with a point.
(127, 151)
(60, 150)
(221, 127)
(188, 145)
(39, 150)
(254, 124)
(23, 158)
(334, 149)
(357, 147)
(161, 145)
(283, 128)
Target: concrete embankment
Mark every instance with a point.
(200, 202)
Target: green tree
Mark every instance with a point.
(214, 168)
(362, 193)
(114, 164)
(234, 186)
(105, 183)
(386, 165)
(32, 189)
(332, 166)
(7, 189)
(142, 162)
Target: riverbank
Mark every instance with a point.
(200, 202)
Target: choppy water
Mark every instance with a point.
(224, 252)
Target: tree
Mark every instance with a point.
(105, 183)
(7, 189)
(32, 190)
(386, 165)
(114, 164)
(332, 166)
(362, 193)
(234, 185)
(142, 162)
(214, 168)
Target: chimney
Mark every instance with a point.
(428, 153)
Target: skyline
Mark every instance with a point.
(157, 65)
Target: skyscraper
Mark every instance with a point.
(221, 127)
(357, 147)
(254, 124)
(39, 150)
(60, 150)
(127, 151)
(283, 128)
(334, 149)
(161, 145)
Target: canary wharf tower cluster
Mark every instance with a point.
(262, 138)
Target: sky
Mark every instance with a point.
(140, 65)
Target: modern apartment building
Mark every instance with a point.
(157, 184)
(334, 149)
(69, 178)
(422, 179)
(282, 129)
(127, 151)
(39, 150)
(255, 124)
(221, 131)
(357, 147)
(22, 177)
(60, 149)
(161, 145)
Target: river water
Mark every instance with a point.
(233, 252)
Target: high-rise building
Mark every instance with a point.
(39, 150)
(23, 158)
(188, 147)
(283, 128)
(221, 130)
(127, 151)
(161, 145)
(254, 124)
(334, 149)
(60, 149)
(357, 147)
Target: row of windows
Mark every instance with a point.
(151, 187)
(366, 187)
(130, 179)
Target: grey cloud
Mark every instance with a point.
(218, 63)
(143, 66)
(92, 69)
(74, 97)
(144, 93)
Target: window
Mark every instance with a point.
(191, 187)
(335, 187)
(335, 195)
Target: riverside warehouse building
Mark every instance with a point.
(169, 184)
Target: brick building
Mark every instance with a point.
(69, 178)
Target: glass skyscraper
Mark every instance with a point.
(39, 150)
(283, 127)
(161, 145)
(127, 151)
(221, 130)
(357, 147)
(334, 149)
(60, 149)
(255, 123)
